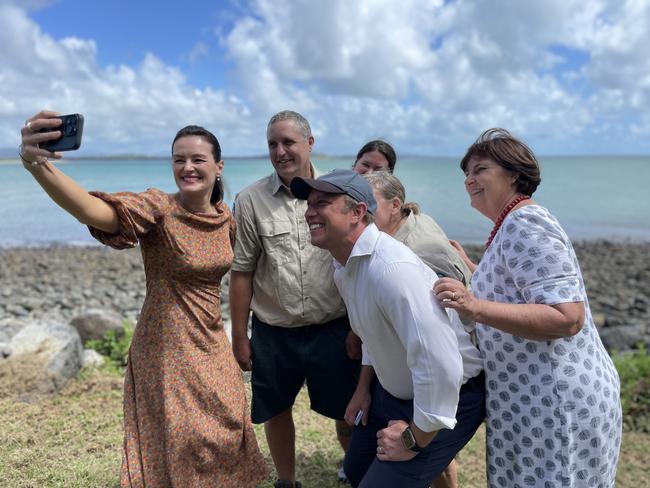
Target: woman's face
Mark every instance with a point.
(371, 161)
(194, 166)
(388, 213)
(490, 187)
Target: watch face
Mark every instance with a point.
(408, 439)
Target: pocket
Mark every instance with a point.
(274, 235)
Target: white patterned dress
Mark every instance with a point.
(553, 407)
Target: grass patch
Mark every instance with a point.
(634, 370)
(74, 439)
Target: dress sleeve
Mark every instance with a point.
(247, 245)
(137, 214)
(541, 260)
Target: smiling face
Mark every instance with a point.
(289, 150)
(194, 166)
(371, 161)
(490, 187)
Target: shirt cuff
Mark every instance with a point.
(427, 422)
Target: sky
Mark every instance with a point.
(567, 76)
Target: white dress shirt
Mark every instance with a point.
(419, 351)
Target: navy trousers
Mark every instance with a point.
(364, 470)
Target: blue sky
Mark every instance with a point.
(567, 76)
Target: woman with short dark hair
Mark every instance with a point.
(553, 393)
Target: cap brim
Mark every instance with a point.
(302, 187)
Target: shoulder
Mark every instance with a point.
(531, 229)
(391, 256)
(533, 219)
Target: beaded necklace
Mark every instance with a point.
(497, 225)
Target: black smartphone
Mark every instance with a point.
(71, 128)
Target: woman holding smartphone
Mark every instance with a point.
(186, 419)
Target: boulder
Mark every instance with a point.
(44, 356)
(624, 337)
(9, 327)
(92, 359)
(95, 323)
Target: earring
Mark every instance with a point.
(218, 178)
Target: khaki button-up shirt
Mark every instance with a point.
(292, 280)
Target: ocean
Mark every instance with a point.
(594, 197)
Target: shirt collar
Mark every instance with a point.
(276, 183)
(364, 246)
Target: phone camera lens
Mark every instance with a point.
(70, 127)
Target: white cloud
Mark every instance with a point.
(567, 75)
(126, 109)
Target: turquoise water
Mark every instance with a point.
(593, 197)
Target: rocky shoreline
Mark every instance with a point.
(61, 282)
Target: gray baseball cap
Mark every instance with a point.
(339, 181)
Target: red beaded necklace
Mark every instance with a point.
(497, 225)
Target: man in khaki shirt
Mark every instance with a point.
(299, 325)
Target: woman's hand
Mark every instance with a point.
(31, 138)
(463, 255)
(452, 294)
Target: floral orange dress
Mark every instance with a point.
(186, 417)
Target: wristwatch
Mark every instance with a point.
(408, 439)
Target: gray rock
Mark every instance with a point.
(9, 327)
(624, 337)
(92, 359)
(53, 346)
(95, 323)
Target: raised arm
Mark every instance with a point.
(534, 321)
(65, 192)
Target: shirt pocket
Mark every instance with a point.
(275, 237)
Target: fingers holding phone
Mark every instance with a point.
(47, 133)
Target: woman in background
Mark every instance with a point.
(375, 155)
(553, 394)
(186, 420)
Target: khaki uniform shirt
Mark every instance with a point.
(426, 239)
(292, 280)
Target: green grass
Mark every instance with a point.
(634, 370)
(73, 440)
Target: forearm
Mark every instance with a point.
(421, 437)
(241, 294)
(74, 199)
(532, 321)
(366, 376)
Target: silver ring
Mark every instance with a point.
(28, 124)
(453, 295)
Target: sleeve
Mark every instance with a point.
(137, 214)
(432, 351)
(366, 358)
(541, 260)
(247, 247)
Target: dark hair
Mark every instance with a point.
(195, 130)
(380, 146)
(511, 154)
